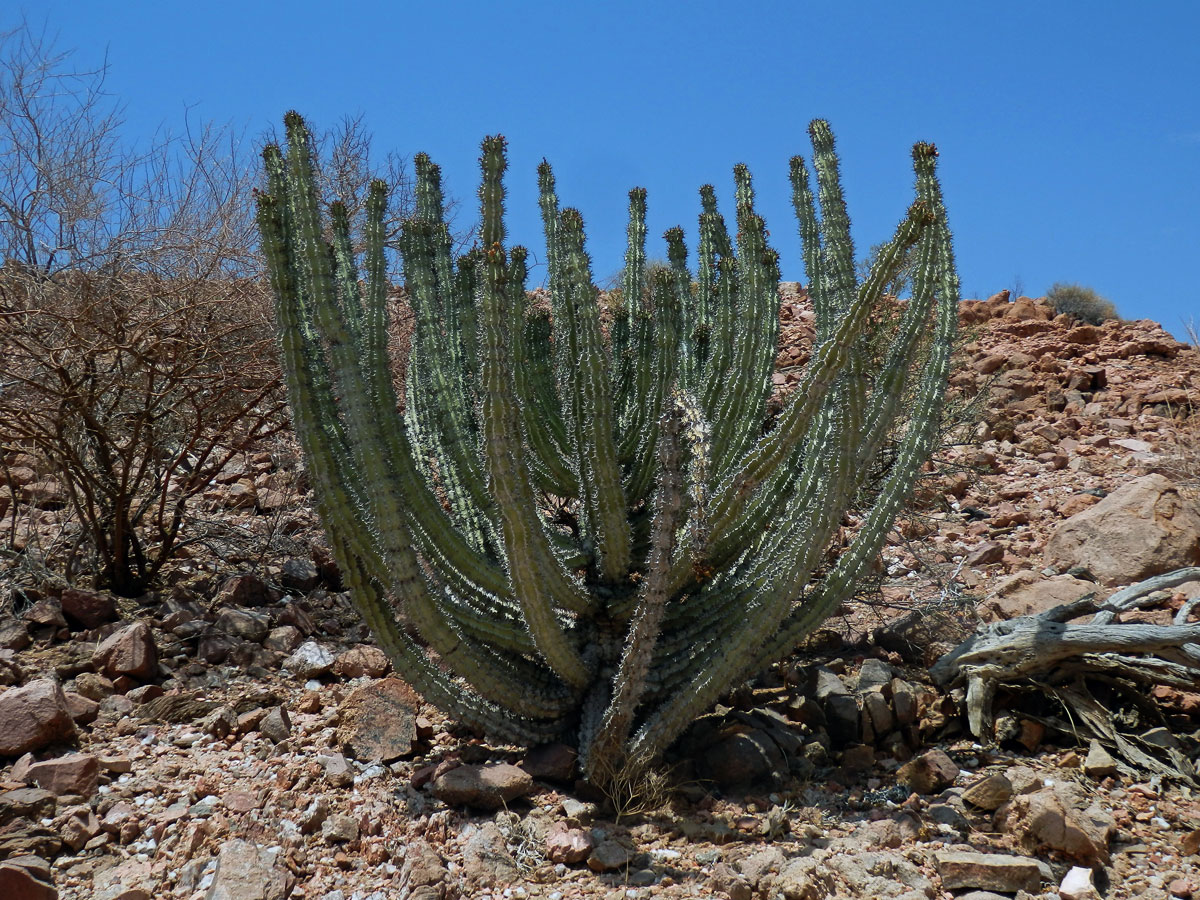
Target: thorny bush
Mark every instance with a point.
(137, 391)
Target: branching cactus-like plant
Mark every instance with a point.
(589, 531)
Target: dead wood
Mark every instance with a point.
(1063, 659)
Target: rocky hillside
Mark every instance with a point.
(236, 734)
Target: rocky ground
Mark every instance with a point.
(236, 735)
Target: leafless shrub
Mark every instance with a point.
(137, 347)
(346, 167)
(137, 391)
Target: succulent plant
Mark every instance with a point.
(587, 528)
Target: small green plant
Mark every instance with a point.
(589, 537)
(1081, 302)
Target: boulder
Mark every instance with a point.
(299, 575)
(22, 837)
(276, 725)
(989, 871)
(1099, 762)
(283, 639)
(486, 860)
(243, 590)
(876, 874)
(214, 646)
(93, 686)
(46, 613)
(1028, 594)
(340, 829)
(609, 856)
(486, 787)
(361, 660)
(874, 673)
(930, 773)
(838, 706)
(130, 651)
(311, 660)
(19, 882)
(80, 827)
(88, 609)
(1024, 308)
(803, 878)
(132, 879)
(379, 721)
(568, 845)
(243, 623)
(989, 793)
(10, 670)
(33, 716)
(1143, 528)
(551, 762)
(75, 773)
(423, 874)
(742, 757)
(13, 634)
(1059, 817)
(1078, 884)
(246, 871)
(26, 803)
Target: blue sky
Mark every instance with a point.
(1069, 132)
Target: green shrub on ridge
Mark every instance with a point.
(1080, 301)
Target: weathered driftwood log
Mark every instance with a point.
(1046, 649)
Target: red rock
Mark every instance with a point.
(243, 590)
(19, 883)
(985, 554)
(242, 801)
(423, 776)
(1143, 528)
(10, 671)
(568, 845)
(1028, 594)
(1077, 503)
(80, 827)
(609, 856)
(299, 575)
(554, 762)
(990, 363)
(361, 660)
(930, 773)
(93, 686)
(378, 721)
(33, 716)
(1028, 308)
(1060, 817)
(74, 773)
(130, 651)
(1083, 334)
(46, 613)
(989, 871)
(973, 312)
(14, 635)
(487, 787)
(83, 710)
(88, 609)
(989, 793)
(118, 815)
(998, 302)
